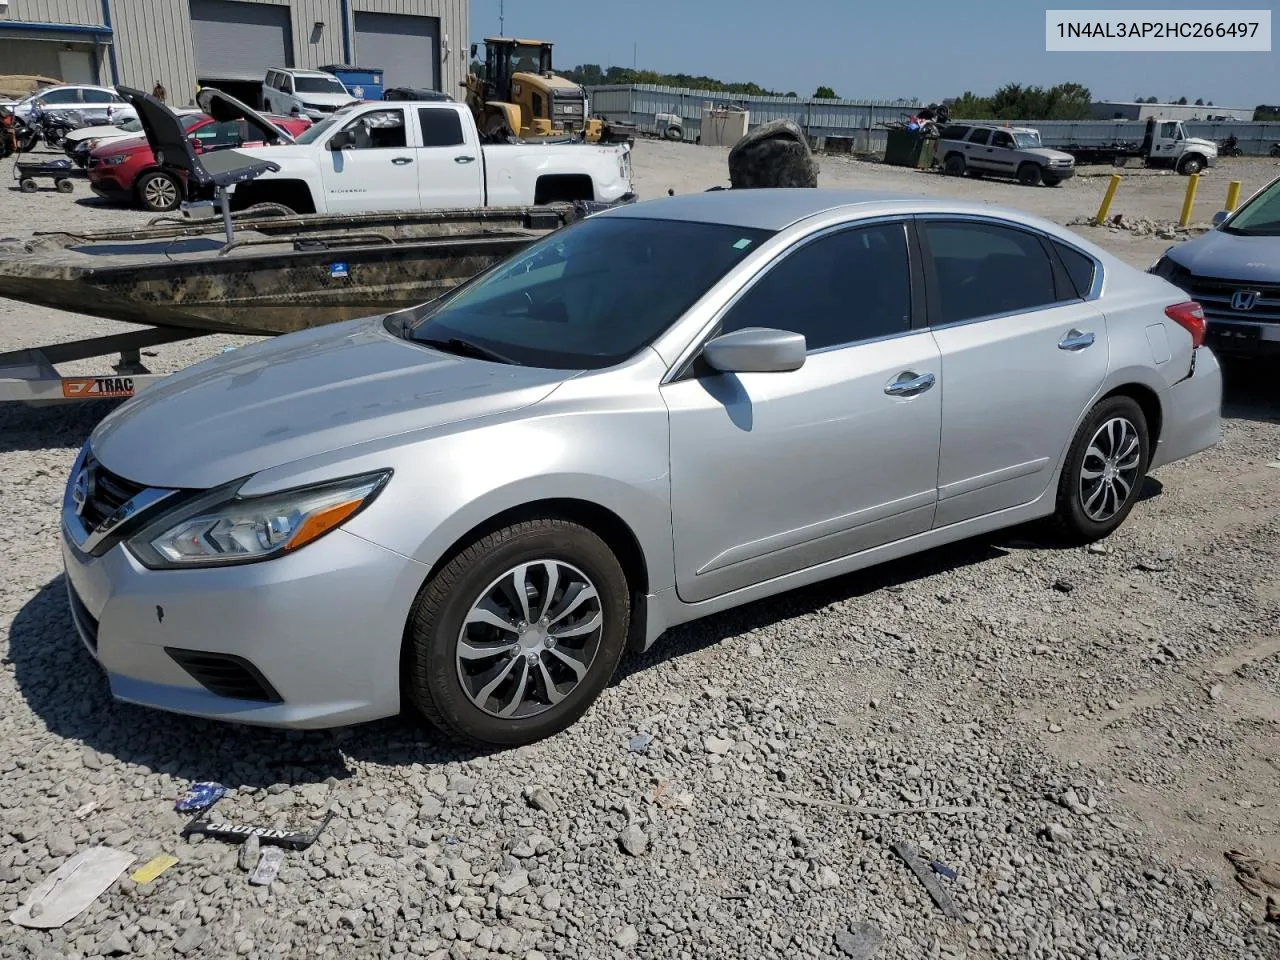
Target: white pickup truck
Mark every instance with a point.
(377, 156)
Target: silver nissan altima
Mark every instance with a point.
(475, 506)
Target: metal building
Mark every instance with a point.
(1125, 110)
(232, 43)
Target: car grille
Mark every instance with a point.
(225, 675)
(108, 492)
(1215, 297)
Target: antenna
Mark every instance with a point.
(502, 18)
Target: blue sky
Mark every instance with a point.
(928, 49)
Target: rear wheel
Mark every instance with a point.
(64, 186)
(159, 191)
(954, 165)
(1030, 174)
(1104, 471)
(515, 637)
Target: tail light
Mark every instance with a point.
(1190, 316)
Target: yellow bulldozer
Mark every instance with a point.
(517, 95)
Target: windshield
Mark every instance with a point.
(317, 85)
(587, 296)
(319, 129)
(1026, 141)
(528, 58)
(191, 120)
(1259, 217)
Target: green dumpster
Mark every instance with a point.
(909, 148)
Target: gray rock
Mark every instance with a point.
(627, 937)
(540, 799)
(862, 941)
(190, 940)
(512, 883)
(250, 851)
(717, 745)
(633, 840)
(61, 846)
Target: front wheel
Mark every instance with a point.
(1030, 174)
(159, 191)
(516, 636)
(1104, 471)
(1190, 165)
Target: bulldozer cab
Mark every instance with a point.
(518, 92)
(504, 58)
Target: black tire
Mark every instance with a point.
(1275, 151)
(1071, 521)
(431, 679)
(673, 133)
(158, 191)
(954, 165)
(64, 186)
(1030, 174)
(1193, 163)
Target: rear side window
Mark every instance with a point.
(440, 128)
(97, 96)
(1079, 267)
(980, 136)
(984, 269)
(953, 132)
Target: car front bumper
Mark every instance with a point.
(1192, 412)
(309, 640)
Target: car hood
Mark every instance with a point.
(129, 144)
(1048, 153)
(1225, 256)
(299, 395)
(325, 99)
(105, 132)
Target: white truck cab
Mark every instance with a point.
(303, 93)
(1170, 146)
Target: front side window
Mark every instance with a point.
(586, 297)
(839, 289)
(379, 130)
(1002, 139)
(59, 97)
(985, 269)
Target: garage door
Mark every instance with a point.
(239, 41)
(406, 48)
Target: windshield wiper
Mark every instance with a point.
(465, 348)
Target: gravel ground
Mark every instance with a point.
(1101, 726)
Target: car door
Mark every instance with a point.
(1023, 355)
(976, 152)
(1002, 154)
(773, 473)
(450, 174)
(377, 171)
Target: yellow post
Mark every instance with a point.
(1193, 183)
(1233, 195)
(1106, 200)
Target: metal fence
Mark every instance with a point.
(857, 124)
(856, 120)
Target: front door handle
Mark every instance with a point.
(909, 384)
(402, 160)
(463, 159)
(1075, 340)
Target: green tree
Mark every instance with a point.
(1200, 103)
(1013, 101)
(825, 93)
(1181, 101)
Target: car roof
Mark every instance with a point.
(776, 208)
(300, 72)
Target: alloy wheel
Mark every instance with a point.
(160, 193)
(1110, 469)
(530, 639)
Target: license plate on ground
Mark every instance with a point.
(94, 388)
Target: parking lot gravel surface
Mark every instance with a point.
(1080, 735)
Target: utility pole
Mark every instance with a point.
(634, 47)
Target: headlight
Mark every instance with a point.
(116, 160)
(223, 528)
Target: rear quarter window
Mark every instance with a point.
(1080, 268)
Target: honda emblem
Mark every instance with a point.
(1244, 299)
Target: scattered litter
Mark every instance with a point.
(267, 836)
(871, 811)
(268, 867)
(200, 796)
(1099, 549)
(150, 870)
(83, 811)
(640, 743)
(940, 896)
(861, 941)
(250, 850)
(942, 869)
(735, 895)
(1261, 878)
(65, 893)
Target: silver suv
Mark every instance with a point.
(979, 149)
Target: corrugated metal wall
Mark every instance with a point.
(153, 37)
(454, 24)
(857, 120)
(1254, 139)
(53, 11)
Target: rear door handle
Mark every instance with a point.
(1075, 340)
(463, 159)
(909, 384)
(402, 160)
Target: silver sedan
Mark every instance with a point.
(475, 506)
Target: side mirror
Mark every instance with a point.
(341, 139)
(1219, 217)
(756, 350)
